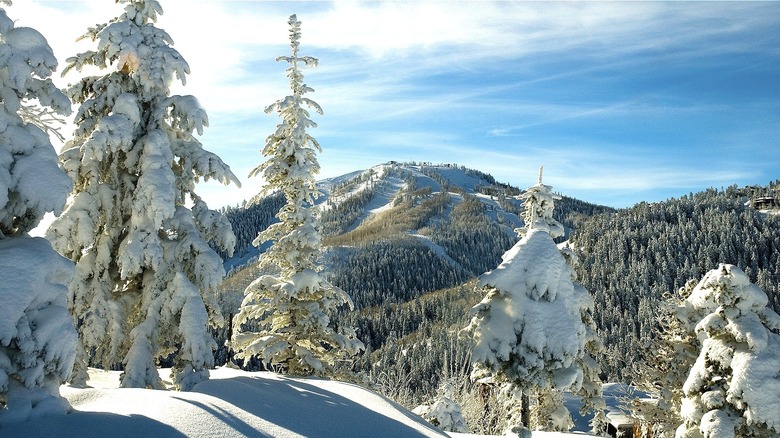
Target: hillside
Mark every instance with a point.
(631, 259)
(406, 239)
(397, 231)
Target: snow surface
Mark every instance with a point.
(232, 403)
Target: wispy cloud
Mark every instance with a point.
(635, 93)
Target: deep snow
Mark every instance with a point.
(232, 403)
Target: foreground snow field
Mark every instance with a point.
(232, 403)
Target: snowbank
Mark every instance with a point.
(232, 403)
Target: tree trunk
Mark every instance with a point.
(525, 407)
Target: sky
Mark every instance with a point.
(621, 102)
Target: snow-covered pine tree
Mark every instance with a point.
(733, 389)
(529, 330)
(37, 338)
(284, 317)
(145, 275)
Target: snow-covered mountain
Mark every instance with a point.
(368, 205)
(396, 231)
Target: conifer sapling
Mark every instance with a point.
(284, 317)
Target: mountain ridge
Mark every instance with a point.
(349, 200)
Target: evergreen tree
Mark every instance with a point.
(37, 338)
(530, 330)
(733, 389)
(145, 274)
(284, 317)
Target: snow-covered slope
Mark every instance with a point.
(232, 403)
(350, 201)
(396, 177)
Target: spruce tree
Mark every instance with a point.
(285, 316)
(145, 275)
(733, 389)
(37, 338)
(531, 329)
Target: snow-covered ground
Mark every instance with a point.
(232, 403)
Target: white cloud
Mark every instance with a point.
(386, 66)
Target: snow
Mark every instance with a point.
(444, 413)
(535, 434)
(232, 403)
(381, 201)
(31, 184)
(457, 177)
(757, 379)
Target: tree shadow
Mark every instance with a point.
(100, 425)
(310, 410)
(228, 418)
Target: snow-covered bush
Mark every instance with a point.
(284, 317)
(733, 389)
(532, 327)
(145, 275)
(37, 338)
(444, 413)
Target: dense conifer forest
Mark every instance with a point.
(630, 259)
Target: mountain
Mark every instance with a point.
(406, 240)
(398, 230)
(402, 239)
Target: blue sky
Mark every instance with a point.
(620, 101)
